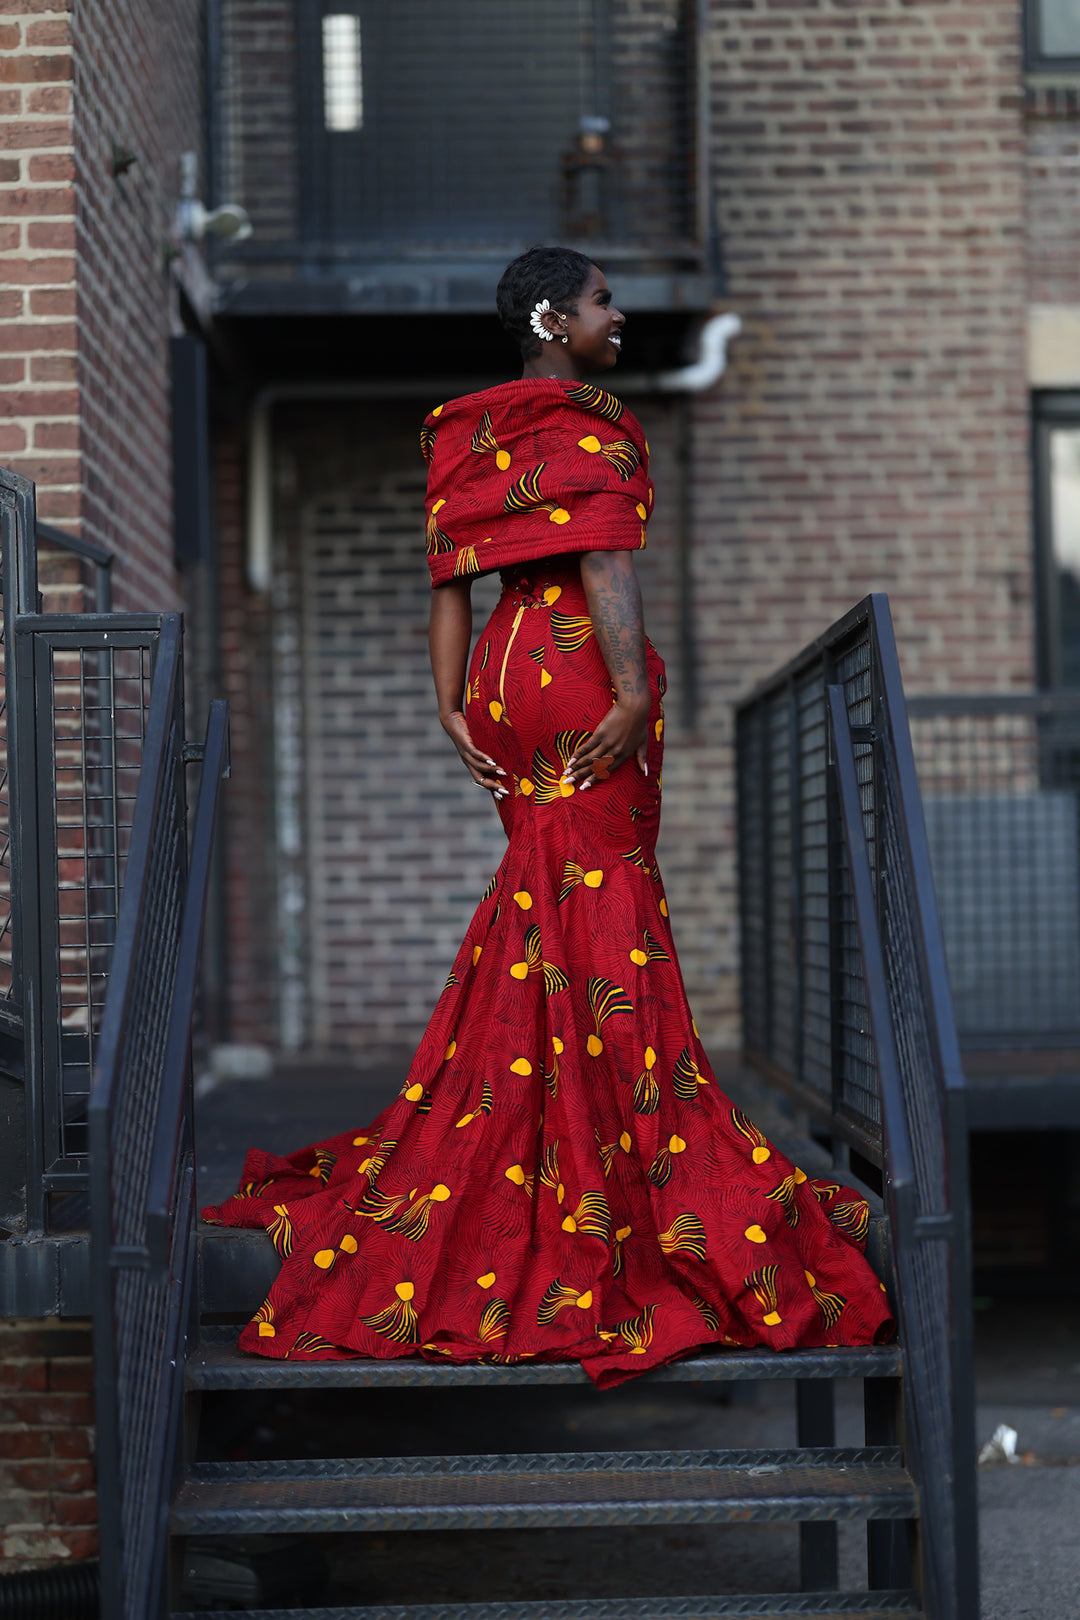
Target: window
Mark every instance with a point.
(1058, 490)
(463, 126)
(342, 73)
(1053, 35)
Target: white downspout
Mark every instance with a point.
(260, 494)
(711, 362)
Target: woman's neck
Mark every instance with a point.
(557, 367)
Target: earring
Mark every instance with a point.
(536, 321)
(565, 338)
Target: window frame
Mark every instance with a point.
(1035, 59)
(1051, 408)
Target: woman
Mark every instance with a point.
(560, 1176)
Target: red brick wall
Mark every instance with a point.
(38, 398)
(48, 1509)
(248, 802)
(87, 299)
(137, 84)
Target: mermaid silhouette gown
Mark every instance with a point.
(560, 1176)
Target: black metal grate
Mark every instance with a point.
(455, 133)
(99, 701)
(1000, 779)
(810, 987)
(84, 686)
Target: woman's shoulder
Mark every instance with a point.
(532, 402)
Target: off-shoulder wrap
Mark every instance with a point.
(532, 469)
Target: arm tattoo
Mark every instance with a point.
(614, 598)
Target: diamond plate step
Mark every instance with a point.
(217, 1364)
(571, 1489)
(836, 1605)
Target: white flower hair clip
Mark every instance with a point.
(537, 323)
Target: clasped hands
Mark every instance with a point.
(622, 732)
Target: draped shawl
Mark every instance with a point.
(532, 469)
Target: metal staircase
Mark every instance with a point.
(814, 1484)
(883, 1099)
(846, 1009)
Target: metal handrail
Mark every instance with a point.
(175, 1095)
(99, 557)
(847, 1006)
(950, 1566)
(152, 784)
(142, 1160)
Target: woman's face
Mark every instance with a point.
(595, 332)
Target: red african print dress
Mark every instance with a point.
(560, 1177)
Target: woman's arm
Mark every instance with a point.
(449, 634)
(614, 598)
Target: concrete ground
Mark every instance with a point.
(1028, 1376)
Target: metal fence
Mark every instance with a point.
(846, 1005)
(1000, 780)
(143, 1172)
(74, 692)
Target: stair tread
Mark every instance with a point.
(836, 1605)
(488, 1464)
(565, 1488)
(216, 1363)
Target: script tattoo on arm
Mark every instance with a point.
(614, 598)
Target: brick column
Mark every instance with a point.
(39, 431)
(48, 1507)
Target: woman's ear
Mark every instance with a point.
(555, 323)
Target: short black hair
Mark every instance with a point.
(555, 273)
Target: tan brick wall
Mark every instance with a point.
(868, 166)
(48, 1507)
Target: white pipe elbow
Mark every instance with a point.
(711, 362)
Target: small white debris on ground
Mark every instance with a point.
(1001, 1447)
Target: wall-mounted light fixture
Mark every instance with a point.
(194, 219)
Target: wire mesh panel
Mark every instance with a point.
(1000, 778)
(815, 1014)
(84, 693)
(856, 1094)
(754, 904)
(777, 833)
